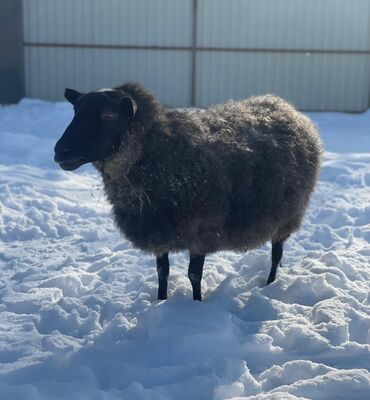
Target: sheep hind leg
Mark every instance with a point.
(163, 270)
(276, 256)
(195, 273)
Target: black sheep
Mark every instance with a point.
(231, 177)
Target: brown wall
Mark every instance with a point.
(11, 51)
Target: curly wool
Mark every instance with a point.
(228, 178)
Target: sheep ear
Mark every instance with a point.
(129, 106)
(72, 95)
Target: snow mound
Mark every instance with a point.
(79, 317)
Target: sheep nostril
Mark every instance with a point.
(62, 155)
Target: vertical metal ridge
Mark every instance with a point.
(367, 72)
(194, 53)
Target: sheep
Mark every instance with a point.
(231, 177)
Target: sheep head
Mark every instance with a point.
(96, 130)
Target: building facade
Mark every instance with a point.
(315, 54)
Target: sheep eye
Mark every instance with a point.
(108, 115)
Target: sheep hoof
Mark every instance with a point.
(162, 294)
(270, 280)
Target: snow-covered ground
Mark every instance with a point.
(79, 317)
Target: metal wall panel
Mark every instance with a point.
(335, 80)
(49, 70)
(333, 75)
(112, 22)
(288, 24)
(310, 81)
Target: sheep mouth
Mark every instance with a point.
(71, 165)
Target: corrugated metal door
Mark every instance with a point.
(314, 53)
(88, 44)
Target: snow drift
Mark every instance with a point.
(78, 315)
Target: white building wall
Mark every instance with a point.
(314, 53)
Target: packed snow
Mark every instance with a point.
(79, 317)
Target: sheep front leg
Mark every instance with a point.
(195, 273)
(276, 255)
(163, 270)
